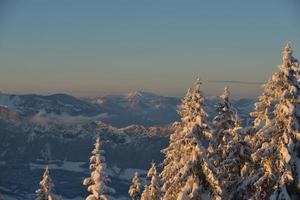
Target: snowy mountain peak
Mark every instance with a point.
(141, 94)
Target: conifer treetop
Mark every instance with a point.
(225, 95)
(146, 195)
(186, 157)
(227, 115)
(152, 191)
(152, 171)
(198, 84)
(287, 56)
(135, 190)
(283, 86)
(274, 159)
(46, 185)
(98, 180)
(47, 179)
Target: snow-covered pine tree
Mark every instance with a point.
(135, 190)
(235, 156)
(226, 119)
(227, 151)
(154, 186)
(152, 191)
(264, 107)
(98, 180)
(46, 185)
(274, 173)
(187, 173)
(146, 193)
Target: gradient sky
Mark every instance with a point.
(103, 46)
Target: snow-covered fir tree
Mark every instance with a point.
(135, 190)
(46, 186)
(275, 168)
(152, 191)
(227, 151)
(226, 119)
(263, 108)
(233, 156)
(98, 180)
(146, 193)
(187, 172)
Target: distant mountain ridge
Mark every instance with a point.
(58, 130)
(141, 108)
(30, 104)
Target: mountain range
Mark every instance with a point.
(59, 130)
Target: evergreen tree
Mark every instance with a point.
(135, 190)
(46, 185)
(263, 108)
(227, 151)
(153, 190)
(235, 157)
(187, 173)
(226, 119)
(274, 172)
(146, 193)
(98, 180)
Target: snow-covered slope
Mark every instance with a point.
(59, 130)
(142, 108)
(29, 105)
(149, 109)
(27, 147)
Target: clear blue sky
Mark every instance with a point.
(104, 46)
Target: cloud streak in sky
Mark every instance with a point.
(235, 82)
